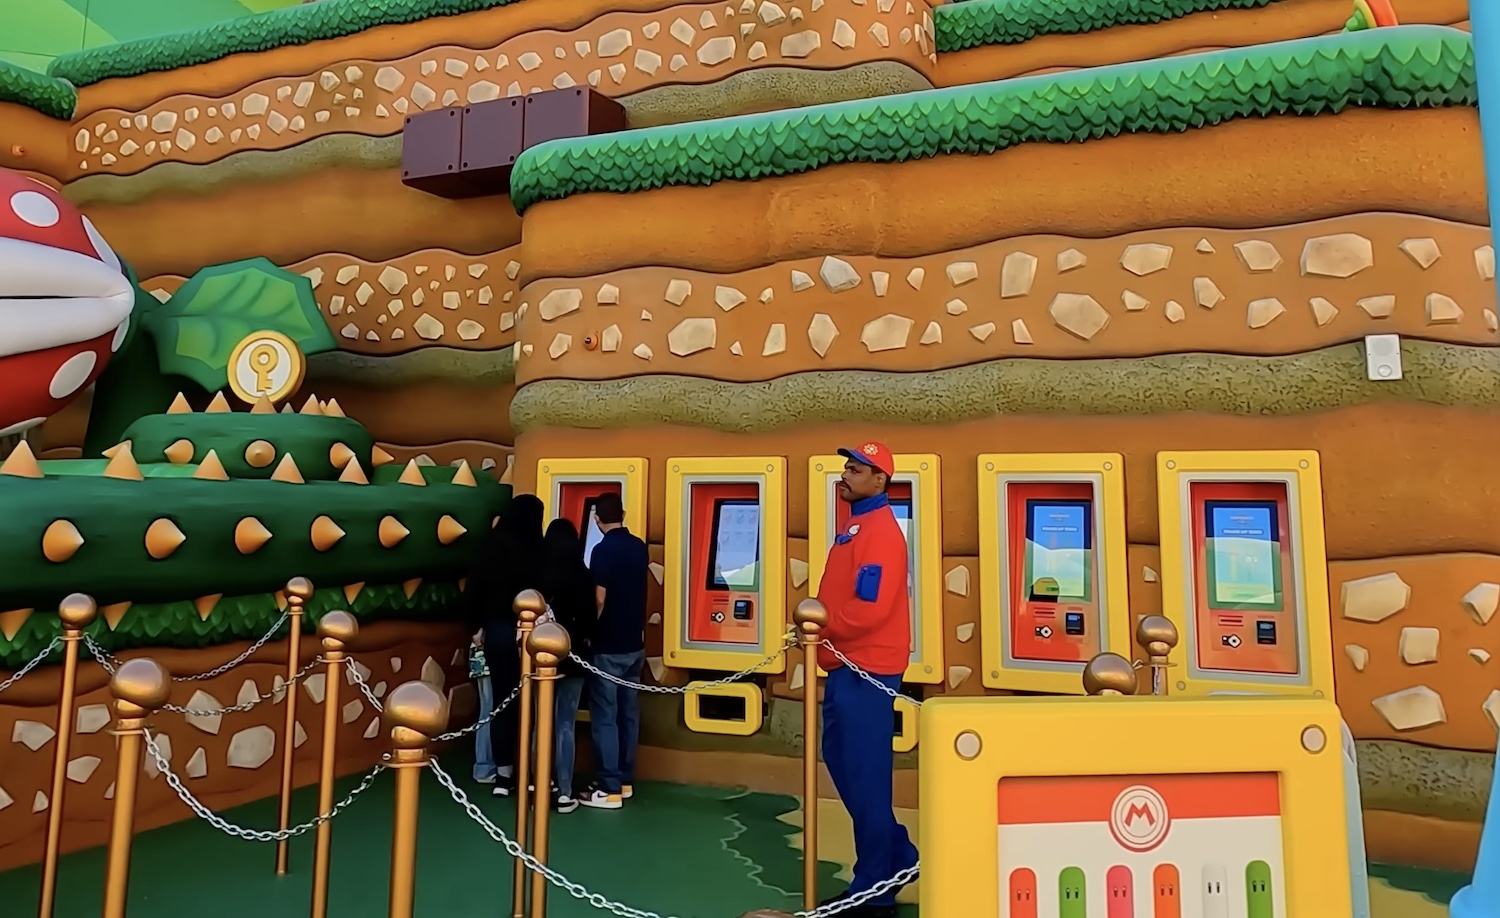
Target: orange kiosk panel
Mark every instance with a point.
(1054, 596)
(572, 486)
(725, 575)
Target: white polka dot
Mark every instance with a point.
(106, 254)
(34, 207)
(21, 427)
(71, 376)
(120, 333)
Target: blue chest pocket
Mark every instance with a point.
(867, 583)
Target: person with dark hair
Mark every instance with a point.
(511, 562)
(619, 565)
(570, 595)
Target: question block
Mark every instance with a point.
(1097, 807)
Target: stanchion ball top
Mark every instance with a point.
(1109, 672)
(529, 605)
(77, 610)
(339, 625)
(417, 706)
(811, 612)
(300, 587)
(1156, 629)
(143, 682)
(551, 639)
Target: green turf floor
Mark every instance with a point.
(680, 851)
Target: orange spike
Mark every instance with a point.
(113, 613)
(21, 463)
(61, 541)
(280, 597)
(412, 474)
(392, 532)
(262, 406)
(332, 409)
(325, 533)
(311, 407)
(463, 584)
(114, 451)
(351, 591)
(353, 474)
(449, 530)
(250, 534)
(180, 452)
(205, 604)
(379, 457)
(180, 405)
(510, 463)
(211, 469)
(11, 622)
(287, 471)
(409, 587)
(123, 466)
(259, 454)
(287, 409)
(465, 475)
(339, 454)
(162, 538)
(219, 405)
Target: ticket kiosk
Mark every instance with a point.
(571, 487)
(725, 578)
(917, 504)
(1053, 578)
(1175, 806)
(1244, 573)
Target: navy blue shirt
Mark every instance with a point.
(620, 565)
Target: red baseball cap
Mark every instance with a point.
(876, 455)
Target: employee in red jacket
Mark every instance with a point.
(869, 621)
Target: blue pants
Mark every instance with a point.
(484, 757)
(858, 723)
(615, 715)
(567, 693)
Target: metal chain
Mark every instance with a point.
(364, 686)
(598, 901)
(895, 695)
(790, 641)
(247, 705)
(229, 828)
(35, 661)
(113, 662)
(452, 735)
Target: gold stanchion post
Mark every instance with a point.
(549, 645)
(140, 686)
(337, 629)
(76, 613)
(1109, 674)
(414, 714)
(1157, 636)
(529, 606)
(811, 617)
(298, 591)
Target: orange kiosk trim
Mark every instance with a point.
(569, 487)
(725, 578)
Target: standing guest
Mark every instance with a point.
(484, 752)
(619, 566)
(869, 621)
(570, 595)
(511, 562)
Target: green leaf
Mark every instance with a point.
(197, 328)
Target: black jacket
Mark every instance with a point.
(570, 592)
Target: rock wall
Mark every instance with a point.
(224, 760)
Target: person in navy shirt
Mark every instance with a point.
(619, 566)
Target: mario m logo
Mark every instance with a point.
(1139, 820)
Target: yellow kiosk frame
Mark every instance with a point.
(1301, 472)
(629, 474)
(1106, 472)
(770, 473)
(923, 472)
(969, 745)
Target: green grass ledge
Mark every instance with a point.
(50, 96)
(1398, 67)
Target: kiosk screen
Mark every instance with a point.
(589, 526)
(1243, 555)
(734, 552)
(1059, 539)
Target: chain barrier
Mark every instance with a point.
(113, 663)
(229, 828)
(247, 705)
(895, 695)
(790, 640)
(33, 663)
(374, 701)
(599, 901)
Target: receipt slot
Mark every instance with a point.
(917, 504)
(1244, 572)
(1053, 576)
(725, 563)
(572, 486)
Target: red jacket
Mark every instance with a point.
(864, 588)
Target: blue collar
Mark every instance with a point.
(869, 504)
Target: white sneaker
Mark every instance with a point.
(599, 800)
